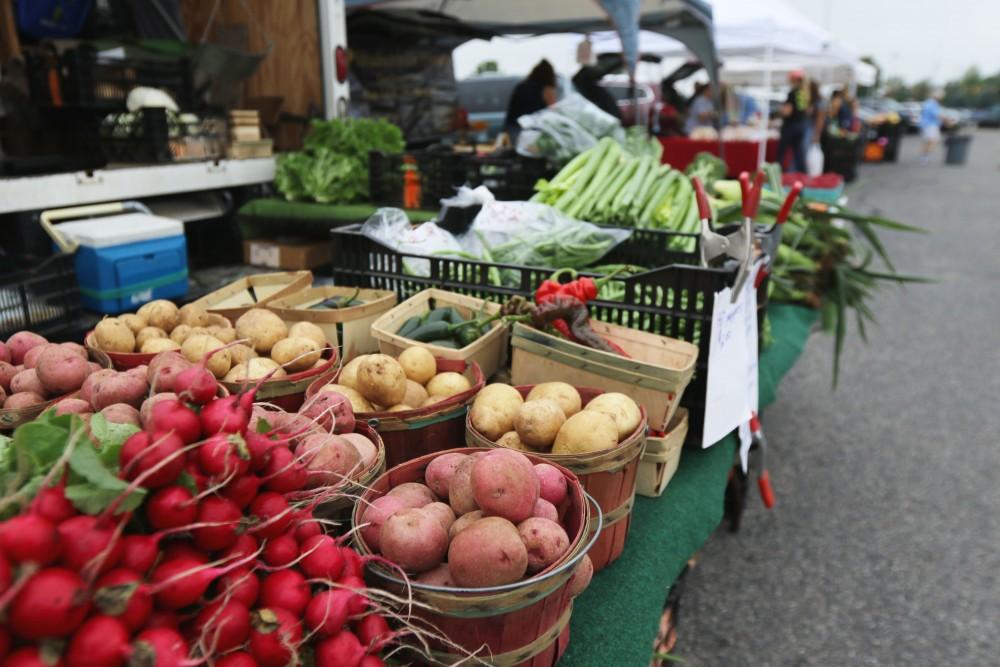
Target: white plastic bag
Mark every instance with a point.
(814, 160)
(391, 227)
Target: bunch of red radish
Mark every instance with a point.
(218, 565)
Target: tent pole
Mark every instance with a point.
(766, 111)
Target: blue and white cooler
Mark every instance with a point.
(125, 257)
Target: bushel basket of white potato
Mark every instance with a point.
(493, 543)
(597, 435)
(416, 402)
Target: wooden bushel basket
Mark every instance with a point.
(608, 476)
(414, 433)
(259, 289)
(524, 624)
(662, 456)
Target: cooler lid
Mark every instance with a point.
(116, 230)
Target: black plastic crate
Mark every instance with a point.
(510, 177)
(156, 135)
(675, 300)
(44, 299)
(81, 78)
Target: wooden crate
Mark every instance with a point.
(347, 329)
(654, 374)
(248, 292)
(661, 457)
(489, 350)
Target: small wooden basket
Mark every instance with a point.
(248, 292)
(414, 433)
(524, 624)
(347, 329)
(489, 350)
(287, 392)
(659, 461)
(654, 374)
(608, 476)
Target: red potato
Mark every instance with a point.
(376, 515)
(19, 344)
(121, 388)
(60, 370)
(460, 495)
(163, 370)
(329, 459)
(87, 388)
(582, 575)
(73, 406)
(552, 483)
(366, 448)
(31, 356)
(463, 522)
(546, 510)
(414, 494)
(22, 399)
(414, 540)
(76, 348)
(443, 512)
(330, 410)
(545, 540)
(27, 381)
(487, 553)
(141, 370)
(439, 576)
(504, 484)
(439, 472)
(7, 373)
(121, 413)
(3, 395)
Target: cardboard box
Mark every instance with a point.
(286, 253)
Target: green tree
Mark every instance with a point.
(487, 66)
(921, 90)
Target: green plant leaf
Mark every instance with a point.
(90, 499)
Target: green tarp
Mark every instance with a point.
(615, 620)
(333, 213)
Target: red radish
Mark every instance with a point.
(275, 637)
(161, 618)
(224, 455)
(358, 603)
(354, 565)
(371, 661)
(5, 642)
(236, 659)
(139, 552)
(197, 384)
(242, 490)
(178, 583)
(273, 515)
(86, 540)
(4, 573)
(259, 446)
(222, 511)
(225, 415)
(52, 603)
(102, 641)
(306, 526)
(241, 585)
(174, 415)
(281, 550)
(184, 550)
(30, 538)
(244, 545)
(286, 589)
(326, 613)
(52, 504)
(159, 647)
(121, 593)
(374, 632)
(284, 473)
(192, 468)
(171, 507)
(341, 650)
(143, 451)
(223, 625)
(33, 656)
(322, 558)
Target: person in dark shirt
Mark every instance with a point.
(536, 92)
(795, 114)
(587, 83)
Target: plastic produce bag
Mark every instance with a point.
(391, 227)
(814, 160)
(547, 134)
(590, 117)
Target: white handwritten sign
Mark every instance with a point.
(731, 394)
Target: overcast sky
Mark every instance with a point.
(914, 39)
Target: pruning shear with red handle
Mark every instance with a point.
(739, 244)
(763, 477)
(771, 239)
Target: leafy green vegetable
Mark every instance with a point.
(708, 167)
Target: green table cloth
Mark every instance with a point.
(616, 619)
(299, 210)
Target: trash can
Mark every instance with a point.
(957, 148)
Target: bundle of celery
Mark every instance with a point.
(606, 184)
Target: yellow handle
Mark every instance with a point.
(68, 245)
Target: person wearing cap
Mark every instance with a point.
(795, 122)
(930, 123)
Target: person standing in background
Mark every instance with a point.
(701, 112)
(930, 124)
(794, 123)
(588, 83)
(842, 110)
(537, 91)
(816, 119)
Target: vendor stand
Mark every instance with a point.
(739, 156)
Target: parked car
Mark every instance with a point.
(910, 111)
(484, 97)
(987, 117)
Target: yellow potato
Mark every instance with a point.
(381, 380)
(308, 330)
(495, 408)
(418, 363)
(180, 333)
(236, 373)
(415, 393)
(586, 431)
(261, 328)
(160, 313)
(254, 369)
(239, 353)
(431, 400)
(448, 383)
(402, 407)
(564, 394)
(199, 345)
(621, 408)
(225, 334)
(349, 373)
(113, 335)
(194, 316)
(511, 440)
(295, 354)
(157, 345)
(148, 333)
(218, 320)
(358, 402)
(134, 322)
(538, 421)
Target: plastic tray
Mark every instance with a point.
(44, 299)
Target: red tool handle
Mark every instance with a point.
(766, 492)
(758, 187)
(747, 195)
(786, 208)
(704, 212)
(761, 274)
